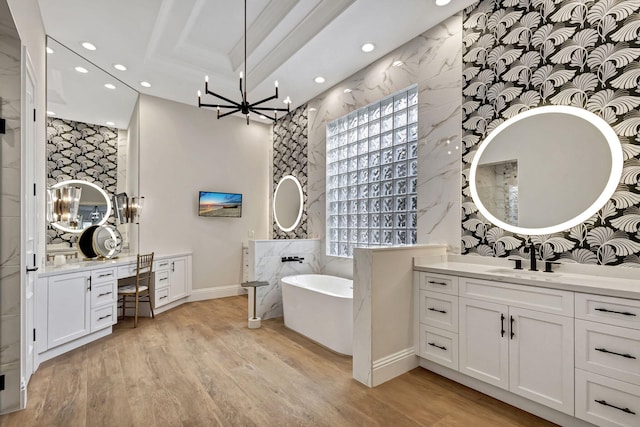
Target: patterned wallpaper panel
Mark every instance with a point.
(521, 54)
(83, 151)
(290, 158)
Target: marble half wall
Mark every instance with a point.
(433, 60)
(265, 264)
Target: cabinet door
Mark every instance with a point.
(178, 279)
(68, 308)
(484, 341)
(541, 365)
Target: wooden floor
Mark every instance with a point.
(199, 365)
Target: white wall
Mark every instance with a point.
(183, 150)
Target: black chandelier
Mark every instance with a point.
(244, 106)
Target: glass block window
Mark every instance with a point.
(372, 175)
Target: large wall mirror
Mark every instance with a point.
(92, 140)
(288, 203)
(546, 170)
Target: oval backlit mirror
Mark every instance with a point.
(94, 207)
(287, 203)
(546, 170)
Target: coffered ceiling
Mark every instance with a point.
(173, 44)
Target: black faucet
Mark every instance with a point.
(532, 254)
(292, 259)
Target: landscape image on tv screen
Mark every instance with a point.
(220, 204)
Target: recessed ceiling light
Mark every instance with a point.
(109, 86)
(347, 90)
(368, 47)
(88, 46)
(50, 113)
(319, 79)
(397, 63)
(145, 84)
(120, 67)
(442, 2)
(263, 117)
(82, 70)
(110, 124)
(49, 50)
(312, 109)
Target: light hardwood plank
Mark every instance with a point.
(199, 365)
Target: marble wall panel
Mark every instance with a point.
(433, 60)
(266, 265)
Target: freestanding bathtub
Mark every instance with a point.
(320, 307)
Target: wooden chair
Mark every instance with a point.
(141, 289)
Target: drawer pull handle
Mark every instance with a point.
(104, 317)
(624, 313)
(627, 355)
(163, 297)
(162, 265)
(104, 294)
(435, 309)
(432, 344)
(104, 275)
(626, 410)
(437, 283)
(164, 278)
(502, 331)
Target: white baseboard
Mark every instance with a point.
(391, 366)
(216, 292)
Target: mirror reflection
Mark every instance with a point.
(546, 170)
(94, 207)
(91, 138)
(287, 203)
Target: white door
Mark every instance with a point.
(68, 308)
(484, 341)
(541, 365)
(178, 279)
(29, 215)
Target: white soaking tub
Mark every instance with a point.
(320, 307)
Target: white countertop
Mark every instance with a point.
(602, 280)
(80, 265)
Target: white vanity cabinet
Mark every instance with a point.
(172, 280)
(607, 360)
(438, 319)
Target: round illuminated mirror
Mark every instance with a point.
(546, 170)
(94, 206)
(287, 203)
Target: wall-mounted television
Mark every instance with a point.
(214, 204)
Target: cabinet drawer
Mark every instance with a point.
(606, 402)
(535, 298)
(161, 297)
(103, 294)
(439, 310)
(162, 279)
(103, 317)
(102, 275)
(126, 271)
(163, 264)
(608, 350)
(439, 346)
(439, 283)
(611, 310)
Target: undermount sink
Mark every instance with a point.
(526, 274)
